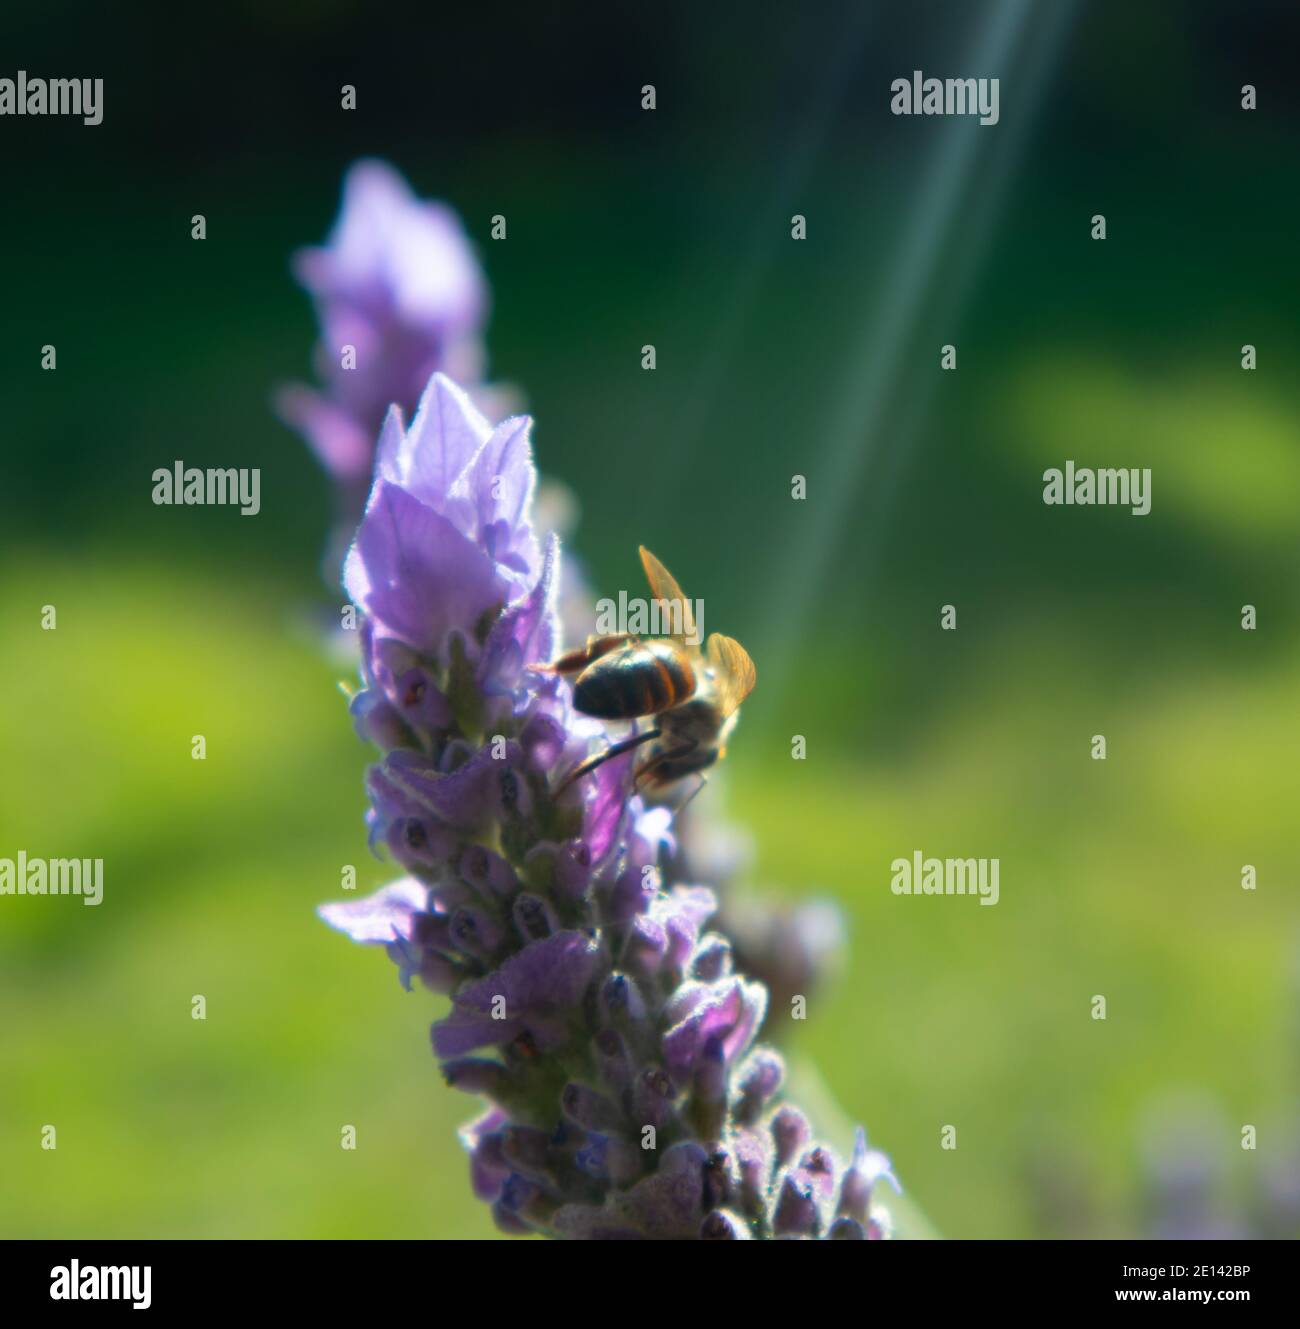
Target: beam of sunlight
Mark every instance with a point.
(876, 359)
(1044, 51)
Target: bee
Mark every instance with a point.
(693, 696)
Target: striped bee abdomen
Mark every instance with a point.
(638, 679)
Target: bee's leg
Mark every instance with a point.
(648, 768)
(573, 662)
(681, 807)
(600, 758)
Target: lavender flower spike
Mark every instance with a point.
(590, 1005)
(397, 282)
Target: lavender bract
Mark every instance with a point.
(590, 1004)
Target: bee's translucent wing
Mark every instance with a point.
(733, 670)
(663, 586)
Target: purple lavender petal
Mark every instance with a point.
(415, 573)
(538, 984)
(396, 917)
(605, 809)
(381, 916)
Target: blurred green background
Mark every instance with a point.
(775, 358)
